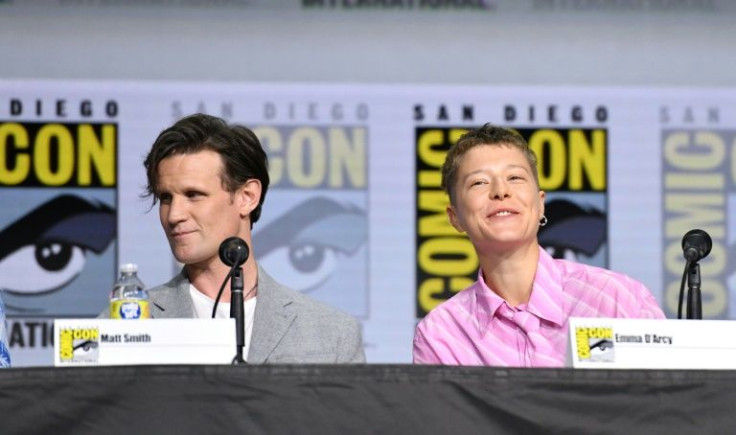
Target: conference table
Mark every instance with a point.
(363, 399)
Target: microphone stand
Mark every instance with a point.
(694, 298)
(237, 312)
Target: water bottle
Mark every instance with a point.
(129, 299)
(4, 352)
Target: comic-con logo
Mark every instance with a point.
(57, 208)
(314, 230)
(79, 345)
(699, 191)
(594, 344)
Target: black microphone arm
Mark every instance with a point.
(234, 252)
(696, 245)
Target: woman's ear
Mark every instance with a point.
(542, 197)
(454, 221)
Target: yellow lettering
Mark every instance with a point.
(707, 152)
(349, 156)
(557, 163)
(97, 153)
(427, 148)
(437, 223)
(447, 256)
(695, 210)
(22, 162)
(47, 135)
(587, 160)
(306, 157)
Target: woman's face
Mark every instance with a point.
(497, 201)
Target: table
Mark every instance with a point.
(375, 399)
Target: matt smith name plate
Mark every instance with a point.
(88, 342)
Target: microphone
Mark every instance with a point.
(696, 245)
(234, 251)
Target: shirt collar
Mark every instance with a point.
(545, 301)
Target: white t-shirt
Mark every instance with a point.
(203, 310)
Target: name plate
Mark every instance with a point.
(90, 342)
(601, 343)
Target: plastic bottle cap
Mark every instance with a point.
(128, 268)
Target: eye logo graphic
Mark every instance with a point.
(594, 344)
(574, 232)
(47, 249)
(318, 247)
(79, 345)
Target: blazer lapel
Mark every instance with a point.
(173, 300)
(272, 318)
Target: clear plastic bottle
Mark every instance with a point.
(129, 298)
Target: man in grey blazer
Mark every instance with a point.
(210, 180)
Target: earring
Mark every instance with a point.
(543, 221)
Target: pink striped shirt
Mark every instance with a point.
(478, 327)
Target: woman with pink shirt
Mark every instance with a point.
(516, 313)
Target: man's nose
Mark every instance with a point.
(177, 211)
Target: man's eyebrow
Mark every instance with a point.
(63, 219)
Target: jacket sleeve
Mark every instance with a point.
(351, 344)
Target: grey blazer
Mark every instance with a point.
(288, 327)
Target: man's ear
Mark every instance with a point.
(248, 195)
(454, 221)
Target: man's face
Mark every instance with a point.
(196, 212)
(497, 201)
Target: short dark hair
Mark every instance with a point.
(242, 155)
(488, 134)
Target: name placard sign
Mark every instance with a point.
(89, 342)
(602, 343)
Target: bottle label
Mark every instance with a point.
(130, 309)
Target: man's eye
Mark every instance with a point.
(41, 268)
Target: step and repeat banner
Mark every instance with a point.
(355, 216)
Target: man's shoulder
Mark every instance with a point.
(169, 285)
(305, 305)
(306, 329)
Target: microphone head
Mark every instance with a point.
(234, 251)
(696, 245)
